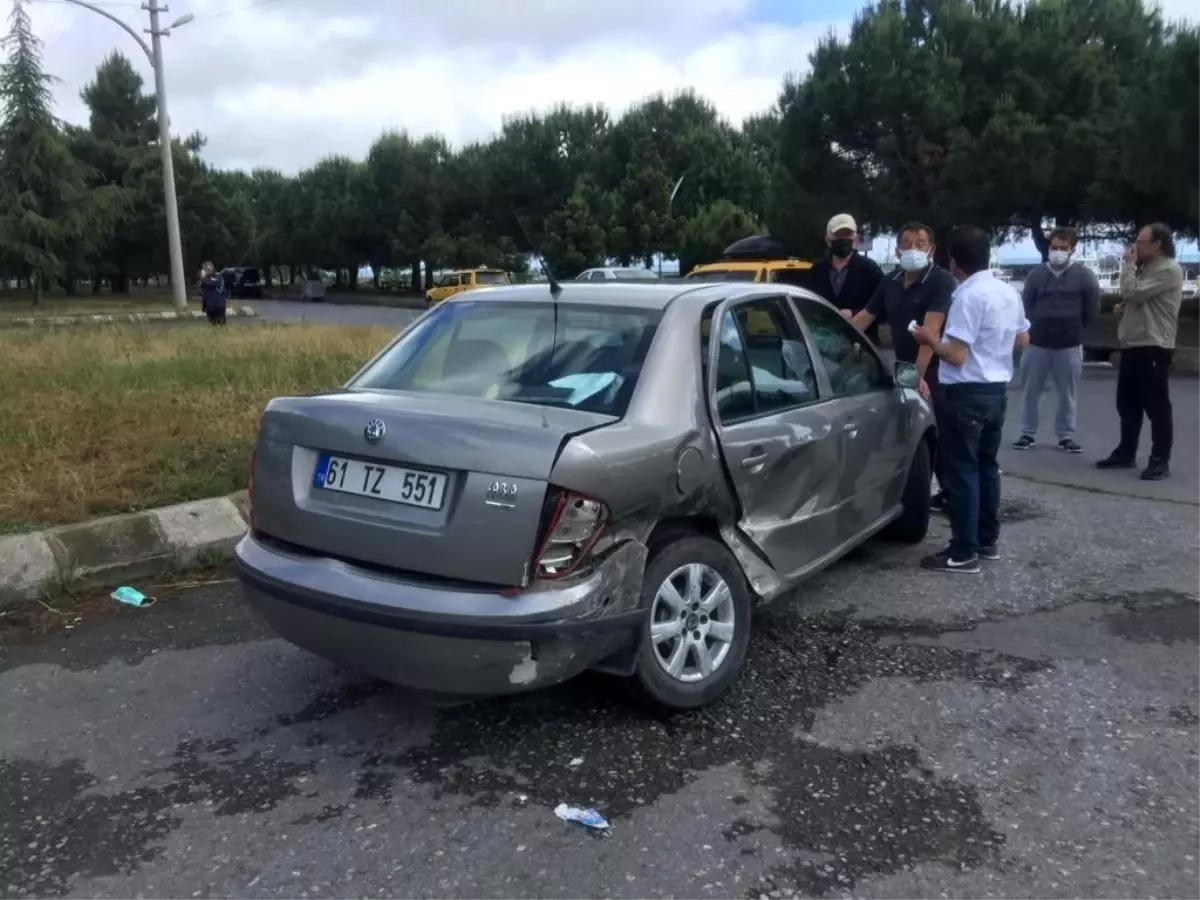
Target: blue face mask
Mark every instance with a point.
(914, 260)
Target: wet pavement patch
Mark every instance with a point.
(51, 826)
(348, 696)
(57, 821)
(850, 813)
(857, 814)
(1013, 510)
(1162, 617)
(1184, 715)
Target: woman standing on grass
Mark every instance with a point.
(213, 294)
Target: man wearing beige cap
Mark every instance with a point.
(845, 278)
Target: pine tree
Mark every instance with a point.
(50, 219)
(119, 147)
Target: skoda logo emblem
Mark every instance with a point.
(375, 431)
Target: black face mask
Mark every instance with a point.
(841, 247)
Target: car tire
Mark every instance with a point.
(651, 681)
(911, 526)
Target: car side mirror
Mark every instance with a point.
(907, 376)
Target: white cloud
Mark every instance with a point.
(282, 82)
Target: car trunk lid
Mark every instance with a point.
(442, 485)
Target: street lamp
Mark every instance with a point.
(670, 200)
(153, 52)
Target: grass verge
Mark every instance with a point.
(11, 308)
(101, 421)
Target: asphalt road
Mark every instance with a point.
(1029, 732)
(332, 313)
(1098, 433)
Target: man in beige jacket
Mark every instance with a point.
(1151, 293)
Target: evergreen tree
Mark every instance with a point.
(51, 221)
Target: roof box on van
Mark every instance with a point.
(756, 247)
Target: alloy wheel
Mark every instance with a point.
(692, 623)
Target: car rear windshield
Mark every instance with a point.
(565, 354)
(491, 278)
(725, 275)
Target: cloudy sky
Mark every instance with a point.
(283, 82)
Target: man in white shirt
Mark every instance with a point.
(985, 325)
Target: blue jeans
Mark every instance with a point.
(970, 419)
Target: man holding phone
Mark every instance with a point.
(1151, 294)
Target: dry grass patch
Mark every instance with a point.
(104, 304)
(100, 421)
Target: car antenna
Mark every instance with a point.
(555, 287)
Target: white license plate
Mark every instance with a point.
(412, 487)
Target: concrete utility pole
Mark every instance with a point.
(153, 52)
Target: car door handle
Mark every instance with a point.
(754, 459)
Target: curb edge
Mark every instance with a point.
(46, 564)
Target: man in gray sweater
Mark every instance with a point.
(1061, 298)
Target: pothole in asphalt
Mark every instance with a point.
(1162, 617)
(849, 814)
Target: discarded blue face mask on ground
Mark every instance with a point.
(586, 817)
(131, 596)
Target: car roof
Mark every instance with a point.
(650, 295)
(742, 265)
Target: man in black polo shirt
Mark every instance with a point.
(845, 278)
(918, 291)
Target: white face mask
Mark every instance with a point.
(914, 260)
(1059, 258)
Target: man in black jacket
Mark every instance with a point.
(845, 278)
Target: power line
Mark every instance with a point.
(111, 3)
(237, 9)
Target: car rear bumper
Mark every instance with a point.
(446, 642)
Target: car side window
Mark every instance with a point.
(780, 368)
(844, 353)
(763, 365)
(597, 276)
(735, 396)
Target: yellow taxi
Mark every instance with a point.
(787, 271)
(758, 259)
(451, 283)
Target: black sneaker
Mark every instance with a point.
(1024, 442)
(1066, 445)
(1113, 461)
(938, 502)
(988, 552)
(1156, 470)
(947, 562)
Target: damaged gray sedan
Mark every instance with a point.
(528, 484)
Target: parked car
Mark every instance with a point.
(519, 489)
(451, 283)
(617, 273)
(243, 282)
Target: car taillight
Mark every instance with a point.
(250, 488)
(575, 524)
